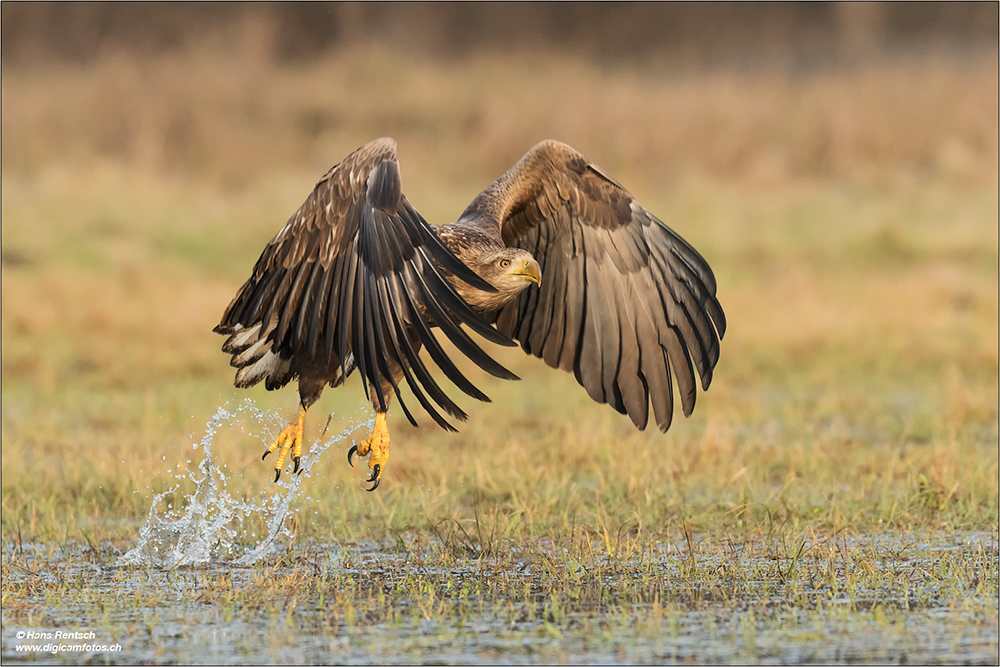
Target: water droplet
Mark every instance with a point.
(207, 522)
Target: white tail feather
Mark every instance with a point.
(242, 339)
(269, 366)
(252, 354)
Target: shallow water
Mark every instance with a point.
(197, 587)
(208, 524)
(180, 615)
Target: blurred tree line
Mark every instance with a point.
(700, 32)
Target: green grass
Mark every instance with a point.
(838, 480)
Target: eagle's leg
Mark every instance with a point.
(376, 445)
(376, 448)
(290, 438)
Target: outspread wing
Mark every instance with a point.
(623, 300)
(347, 282)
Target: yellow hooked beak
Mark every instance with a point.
(529, 270)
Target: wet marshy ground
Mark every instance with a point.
(860, 599)
(216, 578)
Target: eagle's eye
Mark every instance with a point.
(504, 263)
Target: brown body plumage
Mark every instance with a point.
(357, 278)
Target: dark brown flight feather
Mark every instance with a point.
(344, 285)
(623, 298)
(357, 279)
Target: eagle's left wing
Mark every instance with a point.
(623, 297)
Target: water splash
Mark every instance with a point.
(210, 523)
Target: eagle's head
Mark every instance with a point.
(509, 270)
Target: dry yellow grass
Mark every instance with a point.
(236, 118)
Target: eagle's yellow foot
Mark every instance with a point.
(376, 448)
(290, 436)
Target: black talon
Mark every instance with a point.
(374, 486)
(297, 461)
(374, 477)
(350, 453)
(266, 452)
(277, 474)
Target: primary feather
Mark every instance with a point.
(357, 279)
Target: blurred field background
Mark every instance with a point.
(836, 164)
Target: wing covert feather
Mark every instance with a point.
(625, 303)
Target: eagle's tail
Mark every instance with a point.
(253, 356)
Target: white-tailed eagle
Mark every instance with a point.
(554, 254)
